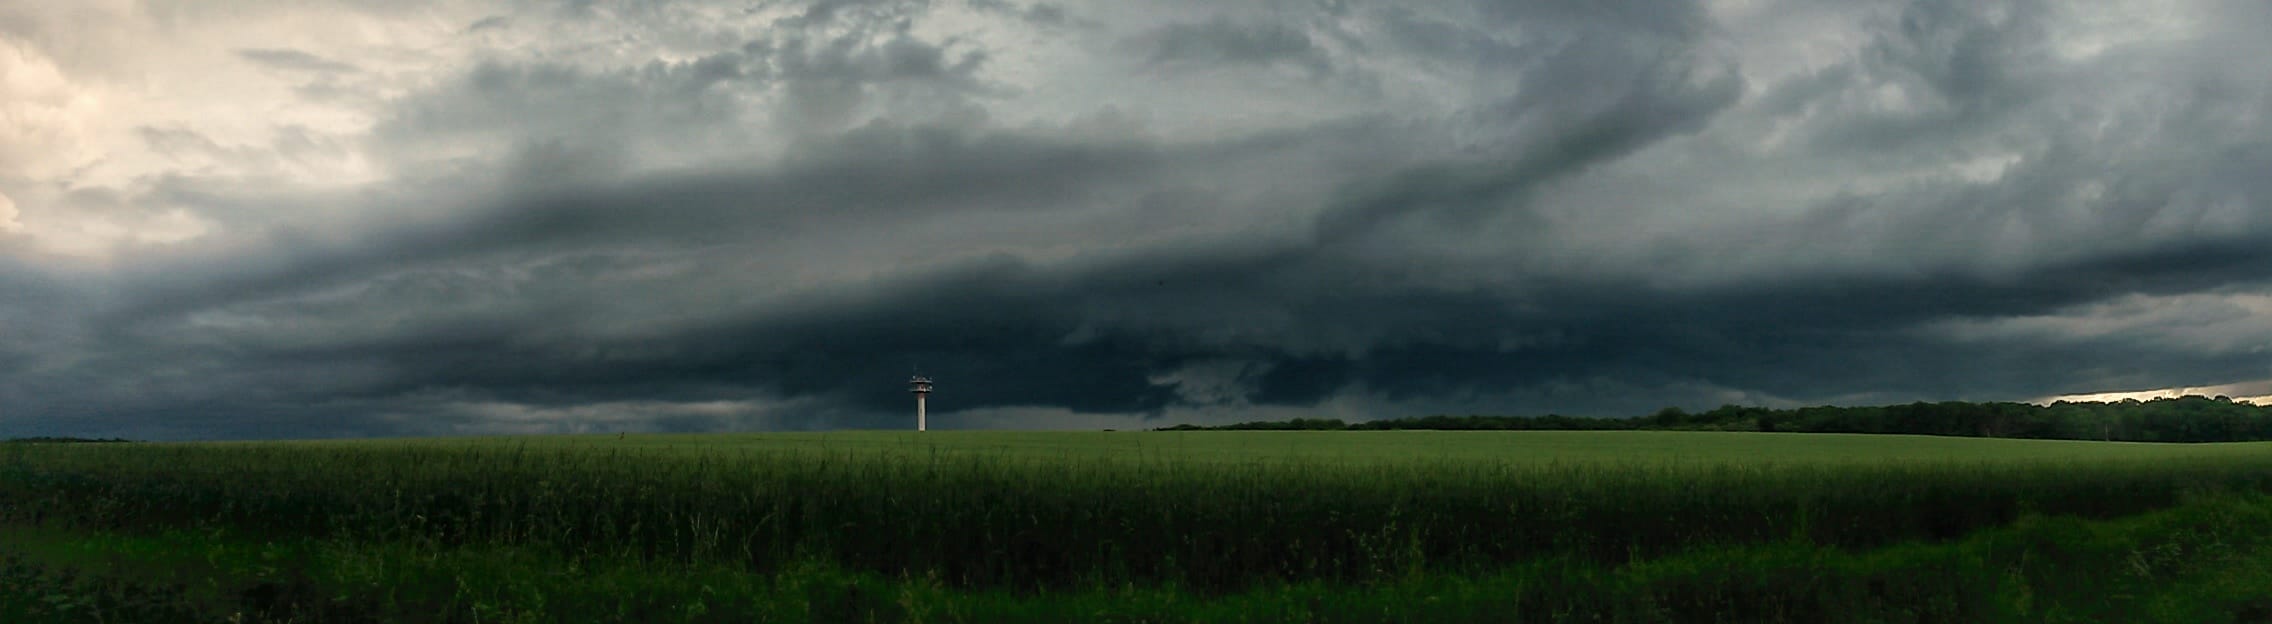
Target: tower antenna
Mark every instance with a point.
(921, 386)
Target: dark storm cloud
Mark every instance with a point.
(1583, 207)
(1561, 144)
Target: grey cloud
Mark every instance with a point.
(1601, 214)
(1043, 14)
(1222, 41)
(856, 13)
(1678, 19)
(185, 143)
(1959, 68)
(294, 60)
(493, 22)
(1547, 132)
(824, 83)
(813, 81)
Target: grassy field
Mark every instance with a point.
(1138, 526)
(1496, 447)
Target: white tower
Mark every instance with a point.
(921, 386)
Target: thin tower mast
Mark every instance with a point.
(921, 386)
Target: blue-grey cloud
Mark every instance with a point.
(701, 216)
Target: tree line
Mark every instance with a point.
(2181, 419)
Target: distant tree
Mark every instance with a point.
(2183, 419)
(1669, 417)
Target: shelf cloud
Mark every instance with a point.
(342, 218)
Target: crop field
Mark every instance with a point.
(1238, 447)
(1389, 526)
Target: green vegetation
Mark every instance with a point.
(1512, 448)
(2181, 419)
(1255, 526)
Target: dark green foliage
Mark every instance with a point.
(2182, 419)
(1550, 422)
(33, 593)
(1297, 424)
(2207, 561)
(1023, 524)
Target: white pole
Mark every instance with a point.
(919, 426)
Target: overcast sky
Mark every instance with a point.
(308, 218)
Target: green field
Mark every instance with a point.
(1496, 447)
(1139, 526)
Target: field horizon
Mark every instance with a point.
(1399, 445)
(1230, 526)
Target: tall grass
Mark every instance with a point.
(1040, 522)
